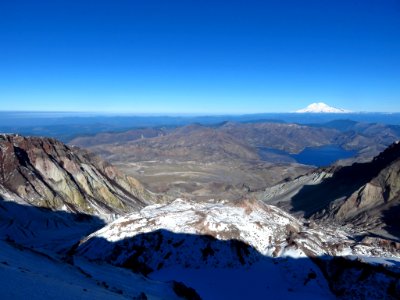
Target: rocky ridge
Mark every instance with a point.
(365, 196)
(245, 235)
(45, 172)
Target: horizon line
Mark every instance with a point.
(175, 114)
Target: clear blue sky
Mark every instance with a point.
(200, 56)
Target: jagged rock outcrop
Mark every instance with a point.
(45, 172)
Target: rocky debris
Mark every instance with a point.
(45, 172)
(282, 193)
(384, 244)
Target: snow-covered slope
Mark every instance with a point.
(25, 272)
(35, 259)
(321, 107)
(251, 222)
(22, 272)
(44, 230)
(185, 249)
(220, 249)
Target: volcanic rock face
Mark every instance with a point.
(376, 201)
(365, 196)
(45, 172)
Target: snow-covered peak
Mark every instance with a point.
(240, 250)
(253, 223)
(266, 228)
(321, 107)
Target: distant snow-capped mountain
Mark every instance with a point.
(321, 107)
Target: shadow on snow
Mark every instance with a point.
(149, 253)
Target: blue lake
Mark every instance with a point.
(316, 156)
(322, 156)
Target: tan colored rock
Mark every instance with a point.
(45, 172)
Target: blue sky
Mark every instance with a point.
(199, 56)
